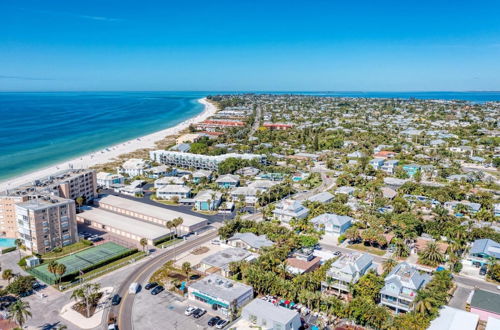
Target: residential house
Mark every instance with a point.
(249, 241)
(322, 197)
(411, 169)
(133, 167)
(302, 262)
(482, 250)
(169, 180)
(248, 171)
(207, 200)
(332, 223)
(486, 304)
(389, 166)
(401, 286)
(248, 194)
(472, 207)
(346, 271)
(228, 181)
(173, 190)
(288, 209)
(452, 319)
(199, 175)
(268, 316)
(346, 190)
(161, 170)
(108, 180)
(218, 262)
(377, 163)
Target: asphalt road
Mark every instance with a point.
(142, 274)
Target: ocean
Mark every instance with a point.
(42, 129)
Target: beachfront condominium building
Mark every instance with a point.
(69, 184)
(46, 222)
(205, 162)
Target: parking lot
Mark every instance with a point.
(168, 312)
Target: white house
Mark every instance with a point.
(288, 209)
(173, 190)
(133, 167)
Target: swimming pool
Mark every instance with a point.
(7, 242)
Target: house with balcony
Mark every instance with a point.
(207, 200)
(200, 175)
(331, 223)
(377, 163)
(401, 286)
(173, 190)
(389, 166)
(288, 209)
(346, 271)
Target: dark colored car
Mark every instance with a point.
(116, 300)
(157, 290)
(150, 285)
(483, 270)
(213, 321)
(199, 313)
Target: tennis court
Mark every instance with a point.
(82, 261)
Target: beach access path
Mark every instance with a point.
(108, 154)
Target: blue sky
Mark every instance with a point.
(291, 45)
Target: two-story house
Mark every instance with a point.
(228, 181)
(332, 223)
(346, 271)
(401, 286)
(288, 209)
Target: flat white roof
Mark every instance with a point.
(454, 319)
(151, 210)
(124, 223)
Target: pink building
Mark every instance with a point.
(485, 304)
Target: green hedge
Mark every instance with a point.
(10, 249)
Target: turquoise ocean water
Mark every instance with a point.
(42, 129)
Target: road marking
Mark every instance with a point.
(187, 246)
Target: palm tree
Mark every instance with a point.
(60, 270)
(18, 244)
(169, 225)
(19, 312)
(88, 294)
(144, 243)
(432, 256)
(7, 275)
(424, 303)
(177, 222)
(52, 267)
(388, 265)
(186, 268)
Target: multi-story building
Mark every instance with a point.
(46, 222)
(346, 271)
(69, 184)
(205, 162)
(109, 180)
(401, 286)
(133, 167)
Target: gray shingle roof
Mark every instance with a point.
(486, 300)
(253, 240)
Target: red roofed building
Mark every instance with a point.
(221, 123)
(302, 263)
(278, 126)
(385, 154)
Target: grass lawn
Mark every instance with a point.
(166, 202)
(169, 242)
(369, 249)
(72, 248)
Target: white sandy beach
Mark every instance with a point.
(107, 154)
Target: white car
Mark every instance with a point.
(189, 310)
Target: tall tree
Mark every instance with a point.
(19, 312)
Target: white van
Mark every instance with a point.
(133, 288)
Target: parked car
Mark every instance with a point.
(221, 324)
(213, 321)
(116, 300)
(483, 270)
(189, 310)
(199, 312)
(133, 288)
(150, 285)
(157, 290)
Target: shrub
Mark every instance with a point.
(342, 238)
(57, 249)
(9, 249)
(86, 242)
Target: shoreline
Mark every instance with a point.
(107, 154)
